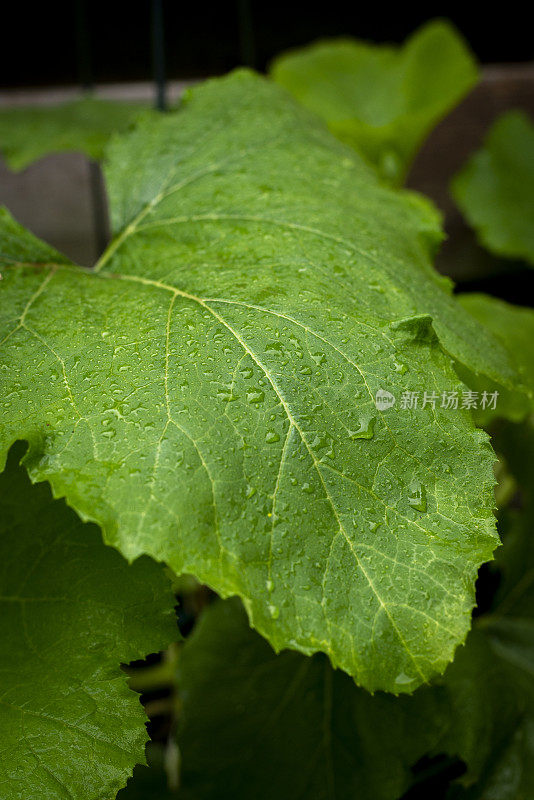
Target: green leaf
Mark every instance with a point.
(382, 100)
(254, 724)
(513, 326)
(85, 126)
(71, 611)
(207, 395)
(495, 190)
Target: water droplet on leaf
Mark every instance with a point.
(417, 496)
(366, 429)
(402, 679)
(255, 396)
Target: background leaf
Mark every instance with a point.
(256, 724)
(84, 126)
(495, 190)
(149, 782)
(513, 326)
(71, 611)
(382, 100)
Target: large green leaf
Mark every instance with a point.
(382, 100)
(495, 190)
(207, 395)
(85, 126)
(254, 724)
(71, 611)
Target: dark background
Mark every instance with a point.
(77, 41)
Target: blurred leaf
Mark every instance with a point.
(380, 99)
(85, 126)
(513, 326)
(256, 724)
(491, 680)
(495, 189)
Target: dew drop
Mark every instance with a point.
(402, 679)
(366, 429)
(255, 396)
(227, 395)
(272, 436)
(417, 496)
(274, 611)
(277, 347)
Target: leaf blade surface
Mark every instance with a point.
(211, 401)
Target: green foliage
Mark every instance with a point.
(382, 100)
(85, 126)
(252, 723)
(71, 611)
(495, 190)
(207, 395)
(211, 400)
(288, 726)
(513, 326)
